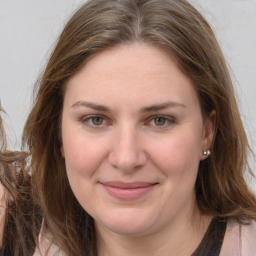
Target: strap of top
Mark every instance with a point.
(213, 239)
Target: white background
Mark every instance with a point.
(28, 30)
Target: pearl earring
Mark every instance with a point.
(207, 152)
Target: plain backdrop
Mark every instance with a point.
(29, 29)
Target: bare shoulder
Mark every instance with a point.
(3, 201)
(2, 209)
(3, 198)
(2, 195)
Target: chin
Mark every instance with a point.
(129, 223)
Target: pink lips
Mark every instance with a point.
(128, 191)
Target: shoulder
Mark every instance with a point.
(239, 240)
(248, 235)
(2, 196)
(2, 210)
(46, 247)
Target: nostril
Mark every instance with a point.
(127, 160)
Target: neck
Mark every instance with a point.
(179, 238)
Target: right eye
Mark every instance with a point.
(94, 121)
(160, 121)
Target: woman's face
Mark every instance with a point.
(133, 137)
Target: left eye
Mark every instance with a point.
(161, 121)
(96, 120)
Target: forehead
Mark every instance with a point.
(133, 58)
(140, 72)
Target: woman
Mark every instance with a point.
(137, 145)
(17, 211)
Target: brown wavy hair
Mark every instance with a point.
(22, 219)
(177, 27)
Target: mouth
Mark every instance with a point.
(128, 191)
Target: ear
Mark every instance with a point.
(208, 133)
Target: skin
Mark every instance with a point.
(3, 199)
(131, 116)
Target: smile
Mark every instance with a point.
(128, 191)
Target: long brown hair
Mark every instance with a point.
(22, 219)
(177, 27)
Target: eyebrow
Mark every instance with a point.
(91, 105)
(162, 106)
(152, 108)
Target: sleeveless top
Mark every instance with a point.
(222, 238)
(209, 246)
(212, 241)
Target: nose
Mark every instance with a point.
(127, 153)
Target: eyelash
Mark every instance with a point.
(87, 121)
(168, 121)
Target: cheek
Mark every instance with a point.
(83, 157)
(178, 160)
(178, 156)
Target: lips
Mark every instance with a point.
(128, 191)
